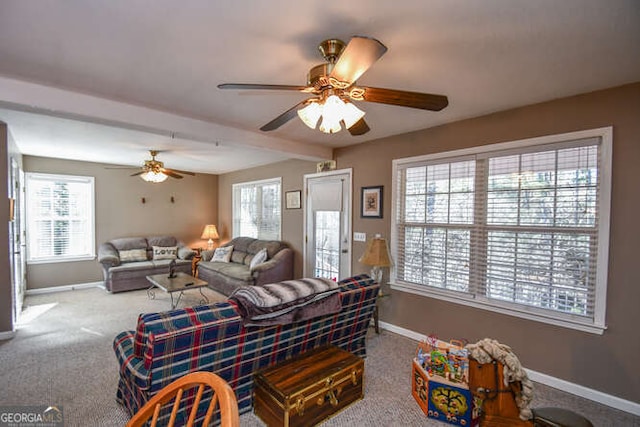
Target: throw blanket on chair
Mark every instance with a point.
(287, 302)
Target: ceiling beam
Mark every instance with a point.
(34, 97)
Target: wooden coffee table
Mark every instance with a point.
(182, 282)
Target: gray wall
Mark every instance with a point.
(120, 213)
(292, 172)
(607, 362)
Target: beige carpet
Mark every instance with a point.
(64, 357)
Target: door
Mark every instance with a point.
(16, 238)
(327, 249)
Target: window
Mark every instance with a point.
(60, 217)
(520, 228)
(256, 209)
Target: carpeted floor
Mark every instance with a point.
(63, 356)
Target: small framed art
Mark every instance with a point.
(371, 202)
(293, 199)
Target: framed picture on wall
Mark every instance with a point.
(292, 199)
(371, 202)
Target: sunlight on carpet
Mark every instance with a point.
(32, 312)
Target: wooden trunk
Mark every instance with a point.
(499, 407)
(309, 388)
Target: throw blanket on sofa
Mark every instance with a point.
(287, 302)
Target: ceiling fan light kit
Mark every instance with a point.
(155, 172)
(151, 176)
(333, 85)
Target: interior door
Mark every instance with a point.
(327, 249)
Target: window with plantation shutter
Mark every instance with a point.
(257, 209)
(60, 217)
(520, 228)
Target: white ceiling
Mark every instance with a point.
(106, 81)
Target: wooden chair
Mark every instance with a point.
(223, 396)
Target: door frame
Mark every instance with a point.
(306, 178)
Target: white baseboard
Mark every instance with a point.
(7, 335)
(64, 288)
(576, 389)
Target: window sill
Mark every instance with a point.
(61, 260)
(462, 299)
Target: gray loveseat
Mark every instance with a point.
(226, 277)
(127, 261)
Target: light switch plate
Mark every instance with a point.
(360, 237)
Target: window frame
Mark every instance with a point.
(89, 180)
(598, 324)
(236, 220)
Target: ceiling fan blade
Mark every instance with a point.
(359, 128)
(261, 86)
(424, 101)
(137, 173)
(283, 118)
(357, 57)
(179, 171)
(171, 173)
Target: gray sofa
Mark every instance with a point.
(127, 261)
(226, 277)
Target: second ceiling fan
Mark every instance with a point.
(333, 86)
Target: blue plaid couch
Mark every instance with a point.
(166, 346)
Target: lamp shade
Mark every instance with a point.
(376, 253)
(210, 232)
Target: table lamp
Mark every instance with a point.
(376, 255)
(210, 232)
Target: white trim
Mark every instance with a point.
(548, 380)
(64, 288)
(7, 335)
(62, 259)
(305, 186)
(598, 325)
(604, 132)
(91, 226)
(259, 182)
(585, 392)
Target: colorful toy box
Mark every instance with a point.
(448, 360)
(440, 383)
(452, 404)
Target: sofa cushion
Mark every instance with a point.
(229, 269)
(258, 259)
(131, 267)
(272, 247)
(222, 254)
(162, 241)
(133, 255)
(166, 262)
(126, 243)
(165, 252)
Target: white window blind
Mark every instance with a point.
(257, 209)
(518, 229)
(60, 217)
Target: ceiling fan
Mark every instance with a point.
(333, 86)
(154, 171)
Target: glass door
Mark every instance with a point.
(328, 225)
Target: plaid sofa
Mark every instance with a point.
(166, 346)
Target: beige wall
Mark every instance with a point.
(607, 362)
(120, 213)
(292, 172)
(6, 323)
